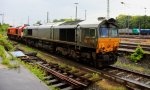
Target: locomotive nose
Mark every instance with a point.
(107, 45)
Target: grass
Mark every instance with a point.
(73, 69)
(7, 44)
(54, 88)
(26, 48)
(132, 67)
(95, 77)
(6, 60)
(2, 52)
(108, 85)
(39, 72)
(3, 29)
(34, 69)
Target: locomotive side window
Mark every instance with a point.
(89, 32)
(30, 32)
(86, 32)
(92, 32)
(17, 31)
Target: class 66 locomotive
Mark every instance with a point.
(92, 42)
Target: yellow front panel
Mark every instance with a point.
(107, 45)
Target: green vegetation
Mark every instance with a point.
(3, 29)
(95, 77)
(35, 70)
(39, 72)
(53, 88)
(134, 21)
(2, 52)
(137, 55)
(63, 20)
(109, 85)
(26, 48)
(4, 42)
(73, 69)
(5, 59)
(130, 66)
(3, 38)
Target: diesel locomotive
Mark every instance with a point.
(95, 43)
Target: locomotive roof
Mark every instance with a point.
(45, 26)
(66, 26)
(90, 23)
(71, 22)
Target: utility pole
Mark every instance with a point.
(47, 17)
(107, 9)
(85, 14)
(145, 19)
(28, 20)
(76, 13)
(127, 25)
(2, 18)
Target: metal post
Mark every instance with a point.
(107, 9)
(47, 17)
(76, 11)
(2, 18)
(127, 25)
(85, 14)
(145, 19)
(28, 20)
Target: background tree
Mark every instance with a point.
(63, 20)
(134, 21)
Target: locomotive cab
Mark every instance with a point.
(108, 43)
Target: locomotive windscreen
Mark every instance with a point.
(108, 31)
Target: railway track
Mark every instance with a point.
(131, 79)
(59, 77)
(131, 47)
(135, 36)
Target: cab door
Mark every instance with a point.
(89, 37)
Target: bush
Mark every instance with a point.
(6, 61)
(137, 55)
(2, 52)
(4, 42)
(3, 29)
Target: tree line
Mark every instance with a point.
(125, 21)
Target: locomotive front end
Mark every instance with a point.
(108, 43)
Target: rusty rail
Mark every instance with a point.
(131, 79)
(75, 82)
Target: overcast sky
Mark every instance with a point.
(17, 11)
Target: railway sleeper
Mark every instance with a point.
(68, 88)
(48, 77)
(52, 81)
(53, 69)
